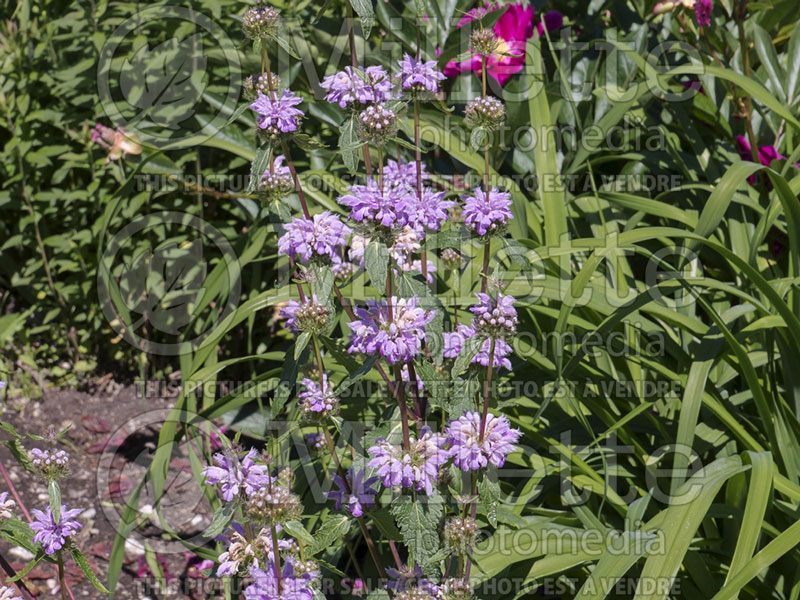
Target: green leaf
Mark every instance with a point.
(284, 44)
(332, 529)
(259, 166)
(54, 492)
(366, 13)
(348, 144)
(301, 343)
(40, 555)
(86, 569)
(418, 521)
(468, 351)
(222, 516)
(489, 492)
(376, 260)
(298, 532)
(544, 152)
(20, 454)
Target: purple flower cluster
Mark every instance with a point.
(417, 468)
(406, 578)
(487, 214)
(495, 319)
(51, 534)
(321, 236)
(398, 204)
(397, 339)
(471, 450)
(403, 175)
(387, 208)
(278, 114)
(357, 494)
(316, 398)
(430, 211)
(419, 75)
(372, 85)
(7, 505)
(454, 343)
(8, 593)
(234, 474)
(266, 586)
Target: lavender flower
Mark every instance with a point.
(321, 236)
(292, 586)
(470, 450)
(367, 203)
(50, 463)
(276, 181)
(234, 474)
(419, 75)
(278, 114)
(397, 339)
(495, 317)
(309, 316)
(54, 535)
(454, 343)
(237, 557)
(501, 350)
(417, 468)
(403, 175)
(487, 214)
(430, 211)
(360, 494)
(316, 400)
(8, 593)
(367, 86)
(7, 505)
(703, 12)
(406, 578)
(315, 440)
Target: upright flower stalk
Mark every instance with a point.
(390, 216)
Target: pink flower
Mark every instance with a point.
(513, 29)
(118, 142)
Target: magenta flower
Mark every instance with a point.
(372, 85)
(398, 339)
(321, 236)
(487, 214)
(419, 75)
(417, 468)
(470, 451)
(265, 585)
(360, 495)
(702, 12)
(234, 474)
(54, 535)
(766, 154)
(278, 114)
(513, 29)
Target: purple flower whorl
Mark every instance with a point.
(470, 451)
(398, 339)
(320, 237)
(487, 215)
